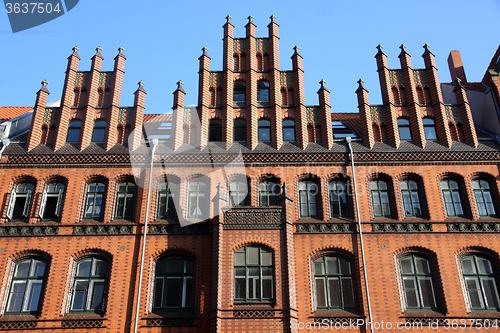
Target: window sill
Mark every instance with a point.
(336, 314)
(174, 313)
(83, 315)
(19, 317)
(419, 313)
(253, 305)
(484, 314)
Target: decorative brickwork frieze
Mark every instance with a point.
(82, 323)
(474, 227)
(29, 231)
(103, 229)
(170, 322)
(402, 227)
(18, 325)
(325, 227)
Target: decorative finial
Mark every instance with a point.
(361, 86)
(458, 85)
(296, 50)
(403, 49)
(180, 83)
(44, 86)
(121, 49)
(141, 86)
(427, 51)
(250, 19)
(44, 83)
(228, 18)
(204, 49)
(322, 85)
(98, 49)
(75, 49)
(379, 48)
(273, 19)
(179, 87)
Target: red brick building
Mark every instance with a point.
(263, 213)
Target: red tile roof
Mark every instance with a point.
(9, 112)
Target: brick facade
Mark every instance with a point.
(200, 156)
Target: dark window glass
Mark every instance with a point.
(167, 192)
(238, 193)
(380, 198)
(52, 200)
(74, 131)
(197, 200)
(215, 130)
(239, 91)
(94, 202)
(240, 130)
(263, 91)
(404, 129)
(480, 282)
(338, 198)
(268, 193)
(333, 283)
(20, 201)
(173, 286)
(452, 197)
(125, 200)
(484, 199)
(429, 129)
(26, 286)
(264, 130)
(417, 282)
(253, 274)
(411, 200)
(99, 131)
(308, 192)
(288, 130)
(89, 285)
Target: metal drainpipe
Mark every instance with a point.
(348, 140)
(5, 142)
(145, 232)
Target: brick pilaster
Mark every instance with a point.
(67, 100)
(138, 116)
(227, 86)
(177, 137)
(416, 126)
(387, 98)
(299, 100)
(465, 114)
(440, 118)
(111, 137)
(251, 85)
(289, 259)
(92, 100)
(203, 97)
(366, 118)
(325, 119)
(275, 85)
(35, 133)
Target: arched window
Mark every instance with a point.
(215, 130)
(52, 200)
(380, 198)
(238, 193)
(20, 201)
(264, 130)
(125, 200)
(338, 198)
(288, 130)
(74, 131)
(480, 282)
(197, 200)
(418, 288)
(89, 285)
(484, 200)
(404, 129)
(26, 286)
(240, 130)
(94, 201)
(308, 192)
(239, 91)
(268, 193)
(452, 197)
(333, 283)
(167, 191)
(411, 197)
(173, 287)
(429, 129)
(253, 274)
(99, 131)
(263, 91)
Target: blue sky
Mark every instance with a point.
(163, 40)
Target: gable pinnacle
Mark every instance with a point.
(44, 86)
(44, 83)
(228, 19)
(98, 49)
(361, 86)
(250, 19)
(296, 50)
(322, 85)
(427, 51)
(204, 49)
(98, 52)
(403, 49)
(179, 87)
(75, 49)
(379, 48)
(273, 18)
(458, 85)
(121, 49)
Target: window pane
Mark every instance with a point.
(264, 134)
(490, 292)
(173, 288)
(406, 266)
(97, 294)
(345, 267)
(188, 290)
(33, 297)
(22, 269)
(267, 288)
(253, 255)
(16, 296)
(84, 267)
(100, 267)
(158, 292)
(320, 292)
(334, 287)
(239, 259)
(422, 266)
(267, 258)
(473, 289)
(468, 266)
(175, 266)
(239, 287)
(427, 291)
(319, 267)
(38, 268)
(348, 292)
(331, 265)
